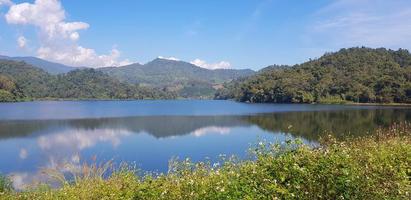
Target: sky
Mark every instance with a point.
(209, 33)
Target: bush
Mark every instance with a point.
(6, 96)
(5, 185)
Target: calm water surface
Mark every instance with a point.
(37, 135)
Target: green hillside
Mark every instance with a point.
(362, 75)
(50, 67)
(20, 81)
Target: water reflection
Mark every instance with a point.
(151, 141)
(158, 126)
(310, 125)
(313, 125)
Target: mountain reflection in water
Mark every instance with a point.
(309, 125)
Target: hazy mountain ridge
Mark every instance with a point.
(50, 67)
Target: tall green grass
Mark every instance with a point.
(373, 167)
(5, 185)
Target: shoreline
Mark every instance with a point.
(200, 99)
(379, 104)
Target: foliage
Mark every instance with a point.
(372, 167)
(357, 75)
(92, 84)
(32, 81)
(19, 81)
(6, 96)
(5, 185)
(9, 92)
(7, 84)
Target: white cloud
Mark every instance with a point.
(81, 139)
(211, 129)
(204, 64)
(62, 150)
(373, 23)
(124, 62)
(19, 180)
(23, 154)
(169, 58)
(6, 3)
(22, 42)
(59, 39)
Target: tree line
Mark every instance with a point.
(361, 75)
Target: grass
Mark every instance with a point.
(5, 185)
(372, 167)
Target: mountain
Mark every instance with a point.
(185, 78)
(20, 81)
(172, 77)
(50, 67)
(362, 75)
(162, 72)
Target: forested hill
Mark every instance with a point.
(162, 72)
(188, 80)
(21, 81)
(356, 74)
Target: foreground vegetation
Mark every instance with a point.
(372, 167)
(361, 75)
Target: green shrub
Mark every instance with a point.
(5, 184)
(6, 96)
(373, 167)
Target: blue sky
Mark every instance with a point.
(210, 33)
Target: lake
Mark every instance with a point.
(55, 134)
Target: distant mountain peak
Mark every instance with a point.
(165, 60)
(185, 78)
(48, 66)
